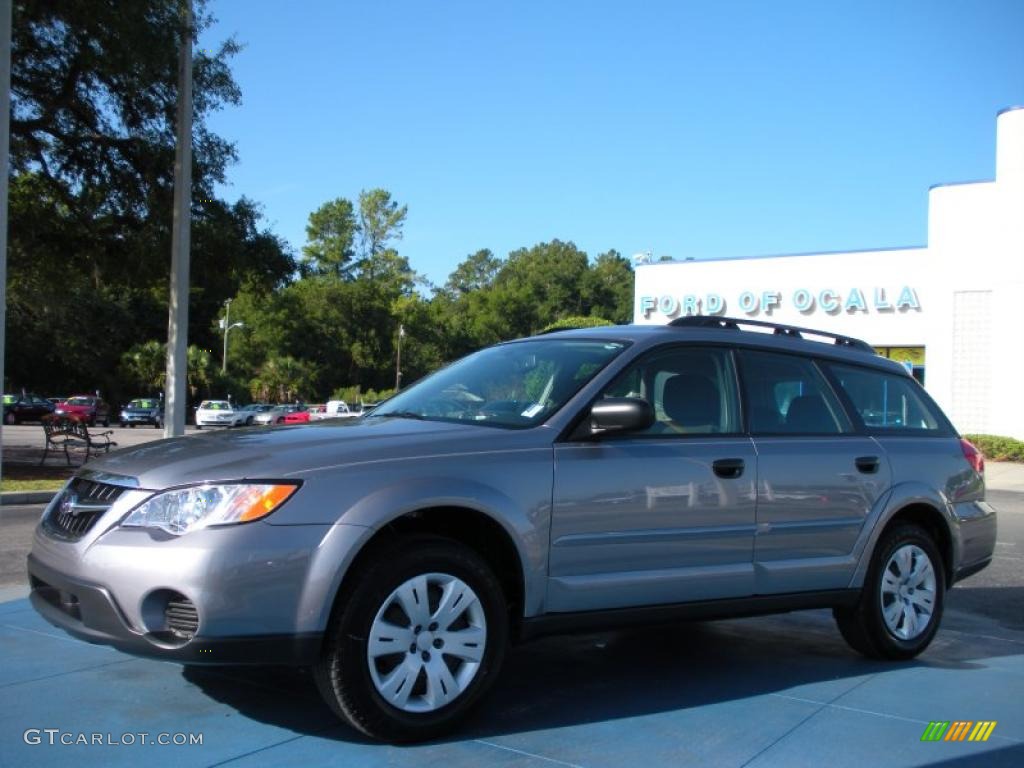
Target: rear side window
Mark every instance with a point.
(886, 401)
(785, 394)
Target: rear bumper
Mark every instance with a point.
(977, 529)
(89, 612)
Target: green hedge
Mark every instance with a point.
(574, 322)
(998, 448)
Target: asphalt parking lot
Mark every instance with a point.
(775, 691)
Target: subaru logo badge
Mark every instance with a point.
(69, 504)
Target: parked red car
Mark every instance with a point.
(299, 416)
(92, 410)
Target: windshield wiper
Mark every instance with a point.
(397, 415)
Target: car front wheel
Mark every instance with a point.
(900, 606)
(418, 636)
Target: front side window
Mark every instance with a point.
(785, 394)
(886, 401)
(691, 390)
(511, 385)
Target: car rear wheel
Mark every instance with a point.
(418, 636)
(900, 606)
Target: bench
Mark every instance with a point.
(65, 434)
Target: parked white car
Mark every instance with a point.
(338, 409)
(218, 413)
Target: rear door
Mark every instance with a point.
(665, 515)
(818, 478)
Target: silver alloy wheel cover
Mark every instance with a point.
(439, 663)
(908, 592)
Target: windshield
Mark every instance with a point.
(510, 385)
(79, 401)
(215, 405)
(8, 399)
(142, 404)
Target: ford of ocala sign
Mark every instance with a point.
(805, 300)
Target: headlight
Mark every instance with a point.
(189, 509)
(124, 414)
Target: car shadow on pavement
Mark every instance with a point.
(564, 681)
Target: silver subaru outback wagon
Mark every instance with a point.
(572, 481)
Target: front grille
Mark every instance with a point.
(79, 506)
(182, 617)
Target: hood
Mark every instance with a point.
(294, 451)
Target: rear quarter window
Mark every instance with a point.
(889, 403)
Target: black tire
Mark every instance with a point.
(343, 671)
(10, 418)
(132, 426)
(863, 625)
(123, 425)
(198, 426)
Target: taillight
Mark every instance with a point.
(973, 455)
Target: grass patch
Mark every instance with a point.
(997, 448)
(19, 477)
(15, 484)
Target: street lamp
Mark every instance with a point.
(398, 358)
(226, 325)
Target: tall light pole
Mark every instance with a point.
(227, 325)
(398, 358)
(5, 144)
(177, 311)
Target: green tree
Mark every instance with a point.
(476, 272)
(381, 220)
(331, 234)
(283, 379)
(607, 287)
(200, 370)
(93, 95)
(145, 365)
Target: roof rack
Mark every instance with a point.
(734, 323)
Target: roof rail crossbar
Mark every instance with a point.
(793, 331)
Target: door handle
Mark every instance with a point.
(867, 464)
(730, 469)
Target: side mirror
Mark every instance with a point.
(620, 414)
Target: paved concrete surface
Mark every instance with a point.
(1004, 476)
(774, 691)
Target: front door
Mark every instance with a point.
(662, 516)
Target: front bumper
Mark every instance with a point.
(89, 612)
(258, 593)
(137, 418)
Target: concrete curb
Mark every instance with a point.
(26, 497)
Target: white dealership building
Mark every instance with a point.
(953, 309)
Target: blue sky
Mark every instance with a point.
(704, 129)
